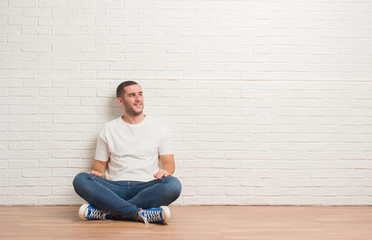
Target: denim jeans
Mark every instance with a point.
(126, 198)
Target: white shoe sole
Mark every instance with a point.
(82, 211)
(166, 213)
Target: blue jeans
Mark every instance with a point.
(126, 198)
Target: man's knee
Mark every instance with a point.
(80, 179)
(174, 186)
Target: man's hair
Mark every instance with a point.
(120, 89)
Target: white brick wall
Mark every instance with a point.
(270, 102)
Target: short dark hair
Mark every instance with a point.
(120, 89)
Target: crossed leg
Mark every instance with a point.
(126, 198)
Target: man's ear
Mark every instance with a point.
(120, 101)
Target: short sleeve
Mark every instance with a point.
(166, 144)
(102, 152)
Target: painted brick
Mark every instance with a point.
(22, 200)
(37, 173)
(27, 191)
(268, 102)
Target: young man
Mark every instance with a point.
(135, 151)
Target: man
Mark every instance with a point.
(131, 176)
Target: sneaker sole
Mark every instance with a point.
(82, 211)
(167, 214)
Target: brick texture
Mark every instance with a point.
(269, 102)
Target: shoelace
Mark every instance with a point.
(97, 213)
(151, 216)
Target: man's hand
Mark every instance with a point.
(98, 168)
(96, 173)
(161, 173)
(167, 166)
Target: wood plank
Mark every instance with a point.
(194, 222)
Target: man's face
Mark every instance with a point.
(132, 100)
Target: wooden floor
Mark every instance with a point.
(194, 222)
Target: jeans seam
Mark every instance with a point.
(107, 183)
(145, 185)
(153, 182)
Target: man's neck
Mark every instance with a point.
(133, 119)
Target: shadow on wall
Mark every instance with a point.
(115, 109)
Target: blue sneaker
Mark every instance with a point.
(88, 212)
(156, 215)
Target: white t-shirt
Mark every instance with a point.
(133, 150)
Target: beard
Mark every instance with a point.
(131, 111)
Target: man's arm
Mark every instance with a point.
(167, 166)
(99, 168)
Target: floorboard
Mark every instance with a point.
(194, 222)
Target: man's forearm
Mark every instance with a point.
(167, 163)
(169, 167)
(98, 168)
